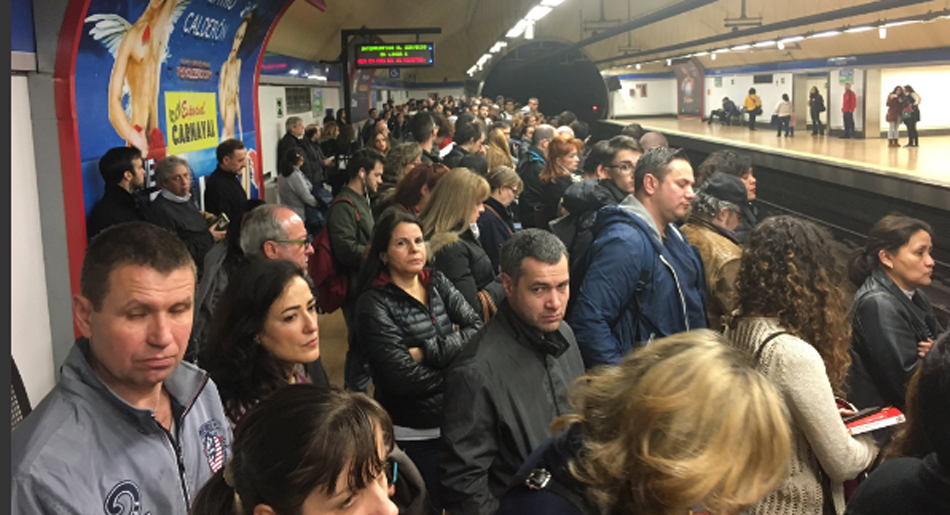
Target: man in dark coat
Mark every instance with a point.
(121, 169)
(223, 190)
(174, 210)
(294, 139)
(511, 380)
(469, 137)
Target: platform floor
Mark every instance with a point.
(928, 163)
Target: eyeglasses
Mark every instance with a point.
(625, 167)
(305, 241)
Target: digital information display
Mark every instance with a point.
(395, 55)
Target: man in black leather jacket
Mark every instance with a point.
(511, 380)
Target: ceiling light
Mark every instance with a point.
(669, 62)
(781, 46)
(763, 44)
(713, 56)
(855, 30)
(537, 13)
(294, 71)
(551, 3)
(721, 50)
(529, 32)
(518, 29)
(826, 34)
(882, 32)
(741, 47)
(638, 66)
(793, 39)
(700, 54)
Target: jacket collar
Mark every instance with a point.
(553, 344)
(184, 384)
(499, 209)
(537, 153)
(615, 192)
(120, 194)
(384, 278)
(175, 198)
(726, 233)
(917, 306)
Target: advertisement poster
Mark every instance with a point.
(689, 87)
(169, 77)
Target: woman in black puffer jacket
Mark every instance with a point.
(448, 222)
(412, 325)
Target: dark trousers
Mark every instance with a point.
(912, 138)
(848, 124)
(751, 121)
(425, 455)
(816, 126)
(783, 123)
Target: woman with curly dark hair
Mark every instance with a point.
(263, 328)
(793, 322)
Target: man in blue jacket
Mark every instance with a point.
(644, 279)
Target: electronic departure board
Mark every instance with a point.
(396, 55)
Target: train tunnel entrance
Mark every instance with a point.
(566, 81)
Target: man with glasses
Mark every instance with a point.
(714, 215)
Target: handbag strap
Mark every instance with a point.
(758, 352)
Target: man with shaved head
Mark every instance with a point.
(653, 140)
(531, 202)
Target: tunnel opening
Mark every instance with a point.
(562, 81)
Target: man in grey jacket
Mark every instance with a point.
(129, 428)
(511, 380)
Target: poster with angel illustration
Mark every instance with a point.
(169, 77)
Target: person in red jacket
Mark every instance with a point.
(848, 105)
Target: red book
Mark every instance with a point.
(879, 419)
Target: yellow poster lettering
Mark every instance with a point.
(191, 120)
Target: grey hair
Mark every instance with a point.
(166, 167)
(261, 225)
(542, 132)
(708, 207)
(292, 122)
(530, 243)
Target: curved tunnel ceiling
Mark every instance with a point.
(471, 27)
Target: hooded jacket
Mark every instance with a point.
(85, 450)
(501, 395)
(885, 329)
(391, 322)
(638, 286)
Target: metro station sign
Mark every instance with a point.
(395, 55)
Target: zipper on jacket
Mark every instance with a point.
(678, 289)
(176, 450)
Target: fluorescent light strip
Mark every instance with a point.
(764, 44)
(551, 3)
(741, 47)
(793, 39)
(855, 30)
(899, 23)
(537, 13)
(518, 29)
(826, 34)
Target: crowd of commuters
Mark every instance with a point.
(549, 324)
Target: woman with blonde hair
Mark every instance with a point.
(449, 222)
(682, 422)
(496, 223)
(793, 321)
(498, 152)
